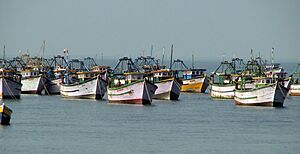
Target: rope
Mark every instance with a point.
(280, 89)
(9, 90)
(177, 84)
(147, 90)
(44, 86)
(99, 80)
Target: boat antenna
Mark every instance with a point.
(171, 56)
(102, 58)
(251, 53)
(193, 66)
(151, 50)
(272, 63)
(66, 54)
(163, 57)
(272, 55)
(43, 51)
(3, 62)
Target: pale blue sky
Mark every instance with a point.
(211, 29)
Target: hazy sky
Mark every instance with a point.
(211, 29)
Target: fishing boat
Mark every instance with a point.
(194, 80)
(10, 84)
(133, 89)
(129, 86)
(295, 87)
(223, 79)
(267, 90)
(168, 87)
(266, 94)
(10, 80)
(89, 85)
(33, 82)
(5, 114)
(54, 82)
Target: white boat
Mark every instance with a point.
(168, 88)
(129, 86)
(267, 90)
(138, 92)
(33, 82)
(53, 84)
(223, 79)
(295, 87)
(93, 87)
(268, 95)
(295, 90)
(225, 91)
(10, 84)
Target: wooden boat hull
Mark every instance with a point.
(90, 89)
(167, 90)
(272, 95)
(53, 87)
(139, 92)
(33, 85)
(198, 85)
(295, 90)
(5, 115)
(225, 91)
(9, 89)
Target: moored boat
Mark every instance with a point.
(137, 92)
(33, 82)
(295, 87)
(168, 87)
(267, 91)
(54, 83)
(198, 85)
(193, 80)
(268, 95)
(10, 84)
(223, 79)
(5, 114)
(90, 85)
(129, 86)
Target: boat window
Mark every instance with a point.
(268, 81)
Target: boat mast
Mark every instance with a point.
(43, 50)
(3, 62)
(272, 63)
(151, 50)
(66, 54)
(102, 58)
(251, 52)
(171, 56)
(163, 56)
(193, 66)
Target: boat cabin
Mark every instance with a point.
(30, 73)
(275, 70)
(193, 73)
(82, 76)
(127, 78)
(100, 69)
(59, 72)
(163, 74)
(10, 74)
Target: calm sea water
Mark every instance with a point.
(194, 124)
